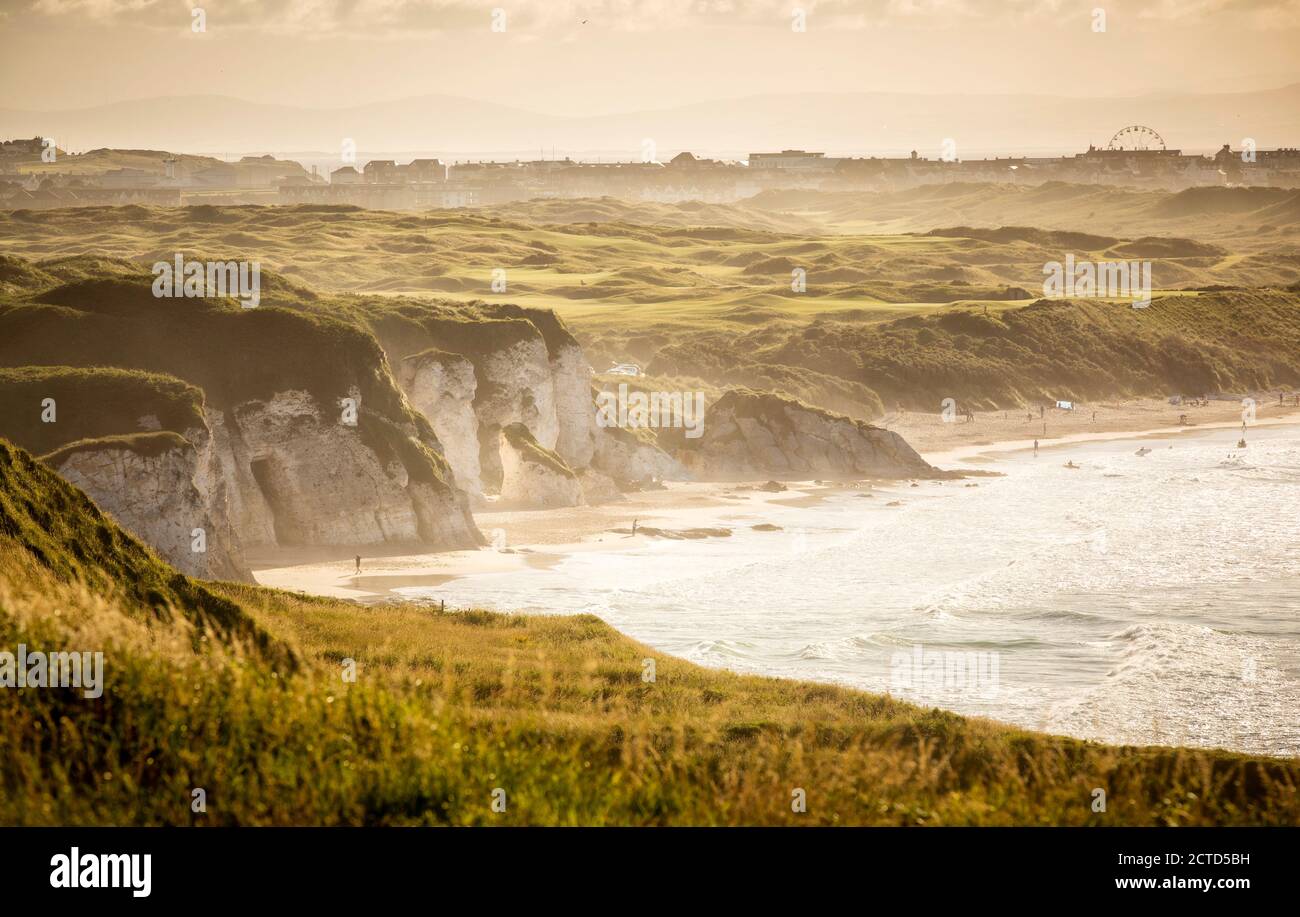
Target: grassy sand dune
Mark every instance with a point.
(446, 710)
(679, 266)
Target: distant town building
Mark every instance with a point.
(32, 147)
(424, 170)
(1135, 157)
(797, 160)
(381, 171)
(129, 178)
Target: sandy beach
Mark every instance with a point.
(937, 440)
(542, 538)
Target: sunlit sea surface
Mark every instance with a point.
(1136, 599)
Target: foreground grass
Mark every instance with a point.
(447, 709)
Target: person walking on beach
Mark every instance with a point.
(358, 563)
(634, 528)
(1035, 448)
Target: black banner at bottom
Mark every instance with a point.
(332, 866)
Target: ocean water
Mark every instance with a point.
(1138, 599)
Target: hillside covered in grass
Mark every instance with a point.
(674, 266)
(241, 691)
(1231, 341)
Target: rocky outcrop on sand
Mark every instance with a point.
(760, 434)
(694, 534)
(598, 487)
(533, 476)
(634, 459)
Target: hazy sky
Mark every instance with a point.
(596, 56)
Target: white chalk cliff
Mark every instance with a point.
(297, 477)
(520, 366)
(268, 473)
(441, 386)
(162, 489)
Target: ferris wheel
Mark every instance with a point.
(1136, 137)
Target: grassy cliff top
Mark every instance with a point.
(145, 445)
(553, 329)
(90, 403)
(92, 307)
(434, 355)
(772, 408)
(232, 354)
(560, 712)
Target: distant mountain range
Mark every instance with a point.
(844, 123)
